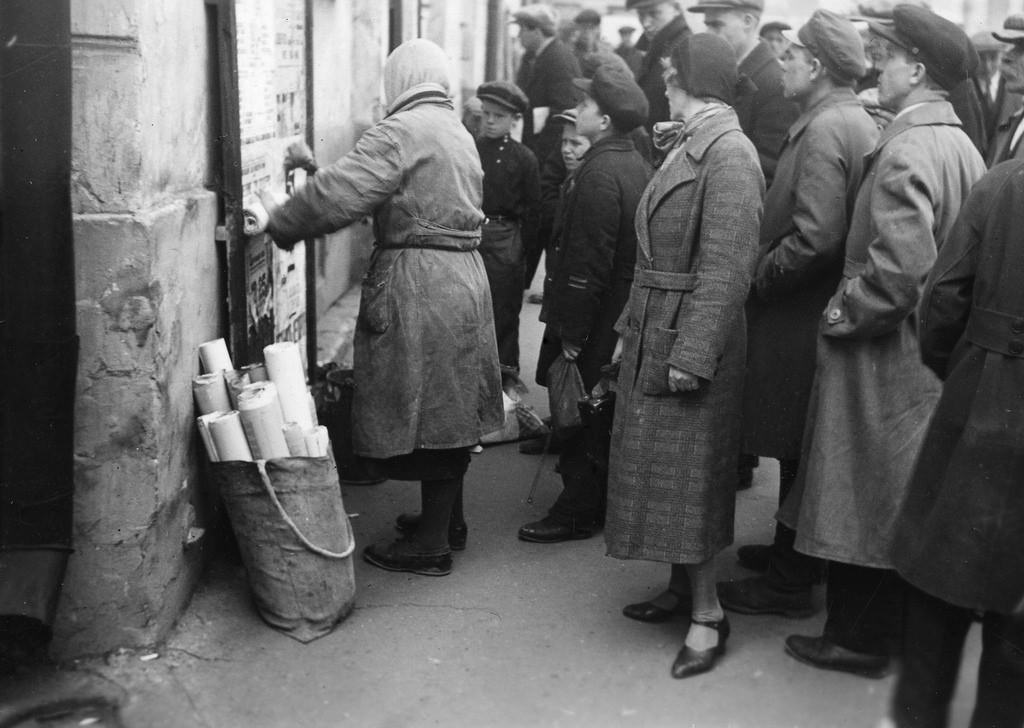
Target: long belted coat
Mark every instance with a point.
(872, 397)
(671, 486)
(960, 534)
(426, 362)
(806, 218)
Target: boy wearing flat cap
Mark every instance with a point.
(512, 206)
(806, 220)
(872, 397)
(590, 269)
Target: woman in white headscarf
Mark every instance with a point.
(426, 363)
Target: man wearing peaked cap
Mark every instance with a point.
(1006, 143)
(802, 236)
(589, 274)
(872, 396)
(771, 33)
(664, 25)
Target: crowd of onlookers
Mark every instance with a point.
(773, 243)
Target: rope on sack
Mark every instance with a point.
(269, 487)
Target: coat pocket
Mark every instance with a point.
(657, 348)
(375, 300)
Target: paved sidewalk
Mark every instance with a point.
(518, 635)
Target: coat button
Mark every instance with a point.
(1016, 348)
(1018, 326)
(834, 315)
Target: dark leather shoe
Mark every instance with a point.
(407, 523)
(651, 612)
(754, 556)
(690, 662)
(827, 655)
(757, 596)
(403, 555)
(547, 530)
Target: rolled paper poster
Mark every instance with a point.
(284, 366)
(229, 437)
(203, 423)
(317, 442)
(211, 393)
(236, 380)
(256, 372)
(214, 356)
(296, 440)
(261, 417)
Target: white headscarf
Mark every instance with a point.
(416, 66)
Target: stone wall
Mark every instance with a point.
(148, 292)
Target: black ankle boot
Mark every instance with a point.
(407, 523)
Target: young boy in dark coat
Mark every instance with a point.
(590, 270)
(512, 206)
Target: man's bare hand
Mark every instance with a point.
(680, 381)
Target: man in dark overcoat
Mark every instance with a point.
(1006, 143)
(664, 26)
(960, 534)
(545, 76)
(872, 397)
(589, 274)
(803, 235)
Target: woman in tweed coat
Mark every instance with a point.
(671, 489)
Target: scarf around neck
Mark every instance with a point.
(667, 134)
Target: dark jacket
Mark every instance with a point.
(592, 255)
(960, 534)
(649, 76)
(999, 147)
(547, 82)
(806, 219)
(764, 113)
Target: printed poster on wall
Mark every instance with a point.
(271, 48)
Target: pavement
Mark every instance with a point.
(519, 634)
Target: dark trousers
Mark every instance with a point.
(584, 487)
(501, 248)
(934, 641)
(788, 569)
(865, 609)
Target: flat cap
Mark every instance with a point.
(536, 16)
(833, 40)
(984, 42)
(703, 7)
(568, 116)
(618, 95)
(595, 59)
(587, 17)
(943, 48)
(774, 25)
(505, 94)
(638, 4)
(1013, 30)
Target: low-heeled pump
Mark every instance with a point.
(691, 662)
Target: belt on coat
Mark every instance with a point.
(664, 280)
(996, 331)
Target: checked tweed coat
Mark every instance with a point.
(671, 487)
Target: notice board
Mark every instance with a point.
(267, 41)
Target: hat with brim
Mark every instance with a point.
(536, 16)
(833, 40)
(774, 25)
(939, 44)
(505, 94)
(1013, 30)
(568, 116)
(756, 6)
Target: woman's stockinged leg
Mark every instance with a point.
(706, 608)
(439, 497)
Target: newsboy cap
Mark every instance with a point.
(702, 7)
(943, 48)
(568, 116)
(536, 16)
(1013, 30)
(833, 40)
(505, 94)
(985, 43)
(773, 26)
(640, 4)
(618, 95)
